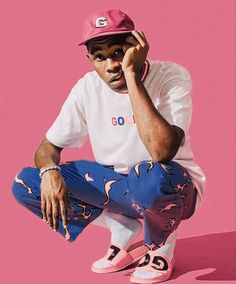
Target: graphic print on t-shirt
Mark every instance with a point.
(122, 120)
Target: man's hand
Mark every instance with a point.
(54, 199)
(135, 52)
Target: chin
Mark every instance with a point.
(120, 89)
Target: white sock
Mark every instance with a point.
(123, 231)
(166, 250)
(169, 247)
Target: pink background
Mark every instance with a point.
(39, 64)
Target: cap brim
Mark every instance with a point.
(104, 34)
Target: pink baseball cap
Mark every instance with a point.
(104, 23)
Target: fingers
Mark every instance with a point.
(55, 216)
(54, 200)
(63, 213)
(132, 41)
(43, 208)
(49, 212)
(143, 35)
(140, 37)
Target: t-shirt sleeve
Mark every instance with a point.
(174, 102)
(69, 129)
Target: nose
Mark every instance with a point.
(113, 66)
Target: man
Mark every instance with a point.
(137, 114)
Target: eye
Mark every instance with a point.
(99, 57)
(118, 53)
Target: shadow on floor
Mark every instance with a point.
(214, 251)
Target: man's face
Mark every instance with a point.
(106, 55)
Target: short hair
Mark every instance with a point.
(112, 39)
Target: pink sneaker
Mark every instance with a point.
(152, 268)
(117, 258)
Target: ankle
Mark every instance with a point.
(125, 236)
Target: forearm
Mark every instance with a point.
(158, 136)
(47, 154)
(54, 198)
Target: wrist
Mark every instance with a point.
(133, 80)
(50, 168)
(47, 165)
(131, 75)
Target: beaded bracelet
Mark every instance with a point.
(43, 171)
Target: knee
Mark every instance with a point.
(149, 181)
(21, 187)
(156, 175)
(149, 174)
(147, 168)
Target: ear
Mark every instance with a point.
(89, 57)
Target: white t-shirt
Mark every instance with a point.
(93, 109)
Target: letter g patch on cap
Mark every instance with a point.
(106, 23)
(101, 22)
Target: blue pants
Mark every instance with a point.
(160, 194)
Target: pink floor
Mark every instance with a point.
(47, 258)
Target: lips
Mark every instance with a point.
(116, 77)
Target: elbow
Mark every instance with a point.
(162, 156)
(163, 152)
(47, 153)
(164, 149)
(37, 155)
